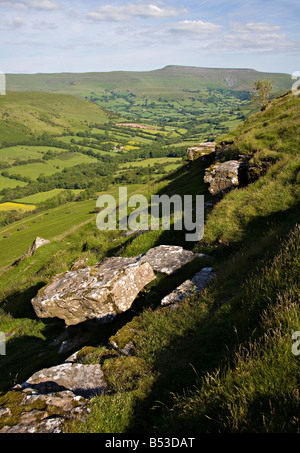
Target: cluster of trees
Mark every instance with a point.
(16, 176)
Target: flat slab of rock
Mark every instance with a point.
(83, 380)
(98, 292)
(189, 287)
(167, 259)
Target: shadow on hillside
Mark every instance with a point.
(187, 180)
(18, 304)
(25, 355)
(211, 343)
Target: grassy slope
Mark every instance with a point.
(30, 113)
(222, 361)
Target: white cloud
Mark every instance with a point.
(26, 4)
(194, 27)
(252, 27)
(17, 22)
(131, 10)
(254, 37)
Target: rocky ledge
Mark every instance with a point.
(225, 176)
(102, 291)
(202, 149)
(52, 397)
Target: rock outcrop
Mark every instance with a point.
(225, 176)
(102, 291)
(53, 396)
(189, 287)
(96, 292)
(28, 411)
(202, 149)
(38, 242)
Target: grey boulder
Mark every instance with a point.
(98, 292)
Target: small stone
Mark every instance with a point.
(189, 287)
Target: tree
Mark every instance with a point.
(263, 88)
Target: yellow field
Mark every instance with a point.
(16, 207)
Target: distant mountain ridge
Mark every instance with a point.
(171, 78)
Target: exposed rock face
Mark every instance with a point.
(224, 176)
(38, 242)
(201, 150)
(98, 292)
(167, 259)
(189, 287)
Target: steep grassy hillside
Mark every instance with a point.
(221, 361)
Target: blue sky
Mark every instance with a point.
(90, 35)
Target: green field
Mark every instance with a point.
(33, 171)
(22, 152)
(174, 162)
(39, 197)
(48, 225)
(10, 183)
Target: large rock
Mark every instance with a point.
(50, 397)
(167, 259)
(189, 287)
(224, 176)
(83, 380)
(96, 292)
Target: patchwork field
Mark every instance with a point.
(21, 153)
(27, 114)
(34, 170)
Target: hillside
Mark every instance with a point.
(220, 360)
(25, 115)
(170, 78)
